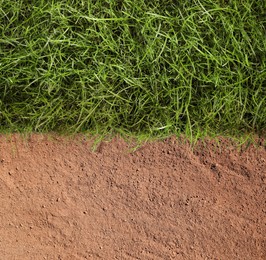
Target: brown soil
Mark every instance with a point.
(60, 200)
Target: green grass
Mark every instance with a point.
(133, 66)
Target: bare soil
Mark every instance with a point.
(61, 200)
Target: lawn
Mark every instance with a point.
(133, 67)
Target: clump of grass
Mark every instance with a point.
(133, 66)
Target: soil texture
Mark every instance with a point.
(61, 200)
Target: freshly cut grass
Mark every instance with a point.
(133, 66)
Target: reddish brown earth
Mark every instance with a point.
(60, 200)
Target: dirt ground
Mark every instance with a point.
(60, 200)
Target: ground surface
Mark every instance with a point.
(59, 200)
